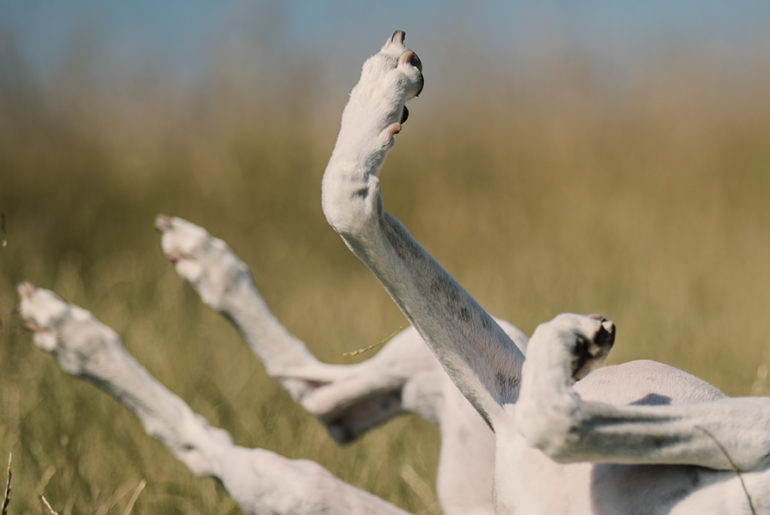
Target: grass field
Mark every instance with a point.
(540, 194)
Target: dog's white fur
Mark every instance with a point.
(635, 438)
(559, 449)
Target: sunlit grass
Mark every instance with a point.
(650, 208)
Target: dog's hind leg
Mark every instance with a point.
(260, 481)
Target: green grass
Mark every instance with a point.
(651, 208)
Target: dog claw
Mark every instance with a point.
(163, 223)
(397, 37)
(32, 326)
(174, 256)
(409, 57)
(393, 129)
(26, 290)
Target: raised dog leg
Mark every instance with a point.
(258, 480)
(481, 359)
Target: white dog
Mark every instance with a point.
(641, 437)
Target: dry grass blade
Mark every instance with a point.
(45, 479)
(48, 506)
(7, 496)
(421, 488)
(3, 240)
(735, 468)
(134, 497)
(374, 345)
(759, 385)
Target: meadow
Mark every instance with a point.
(541, 191)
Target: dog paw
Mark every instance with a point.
(388, 79)
(67, 331)
(587, 338)
(206, 262)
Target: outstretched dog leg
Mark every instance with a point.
(260, 481)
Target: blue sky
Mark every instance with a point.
(182, 37)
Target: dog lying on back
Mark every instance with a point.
(569, 437)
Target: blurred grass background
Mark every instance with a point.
(547, 182)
